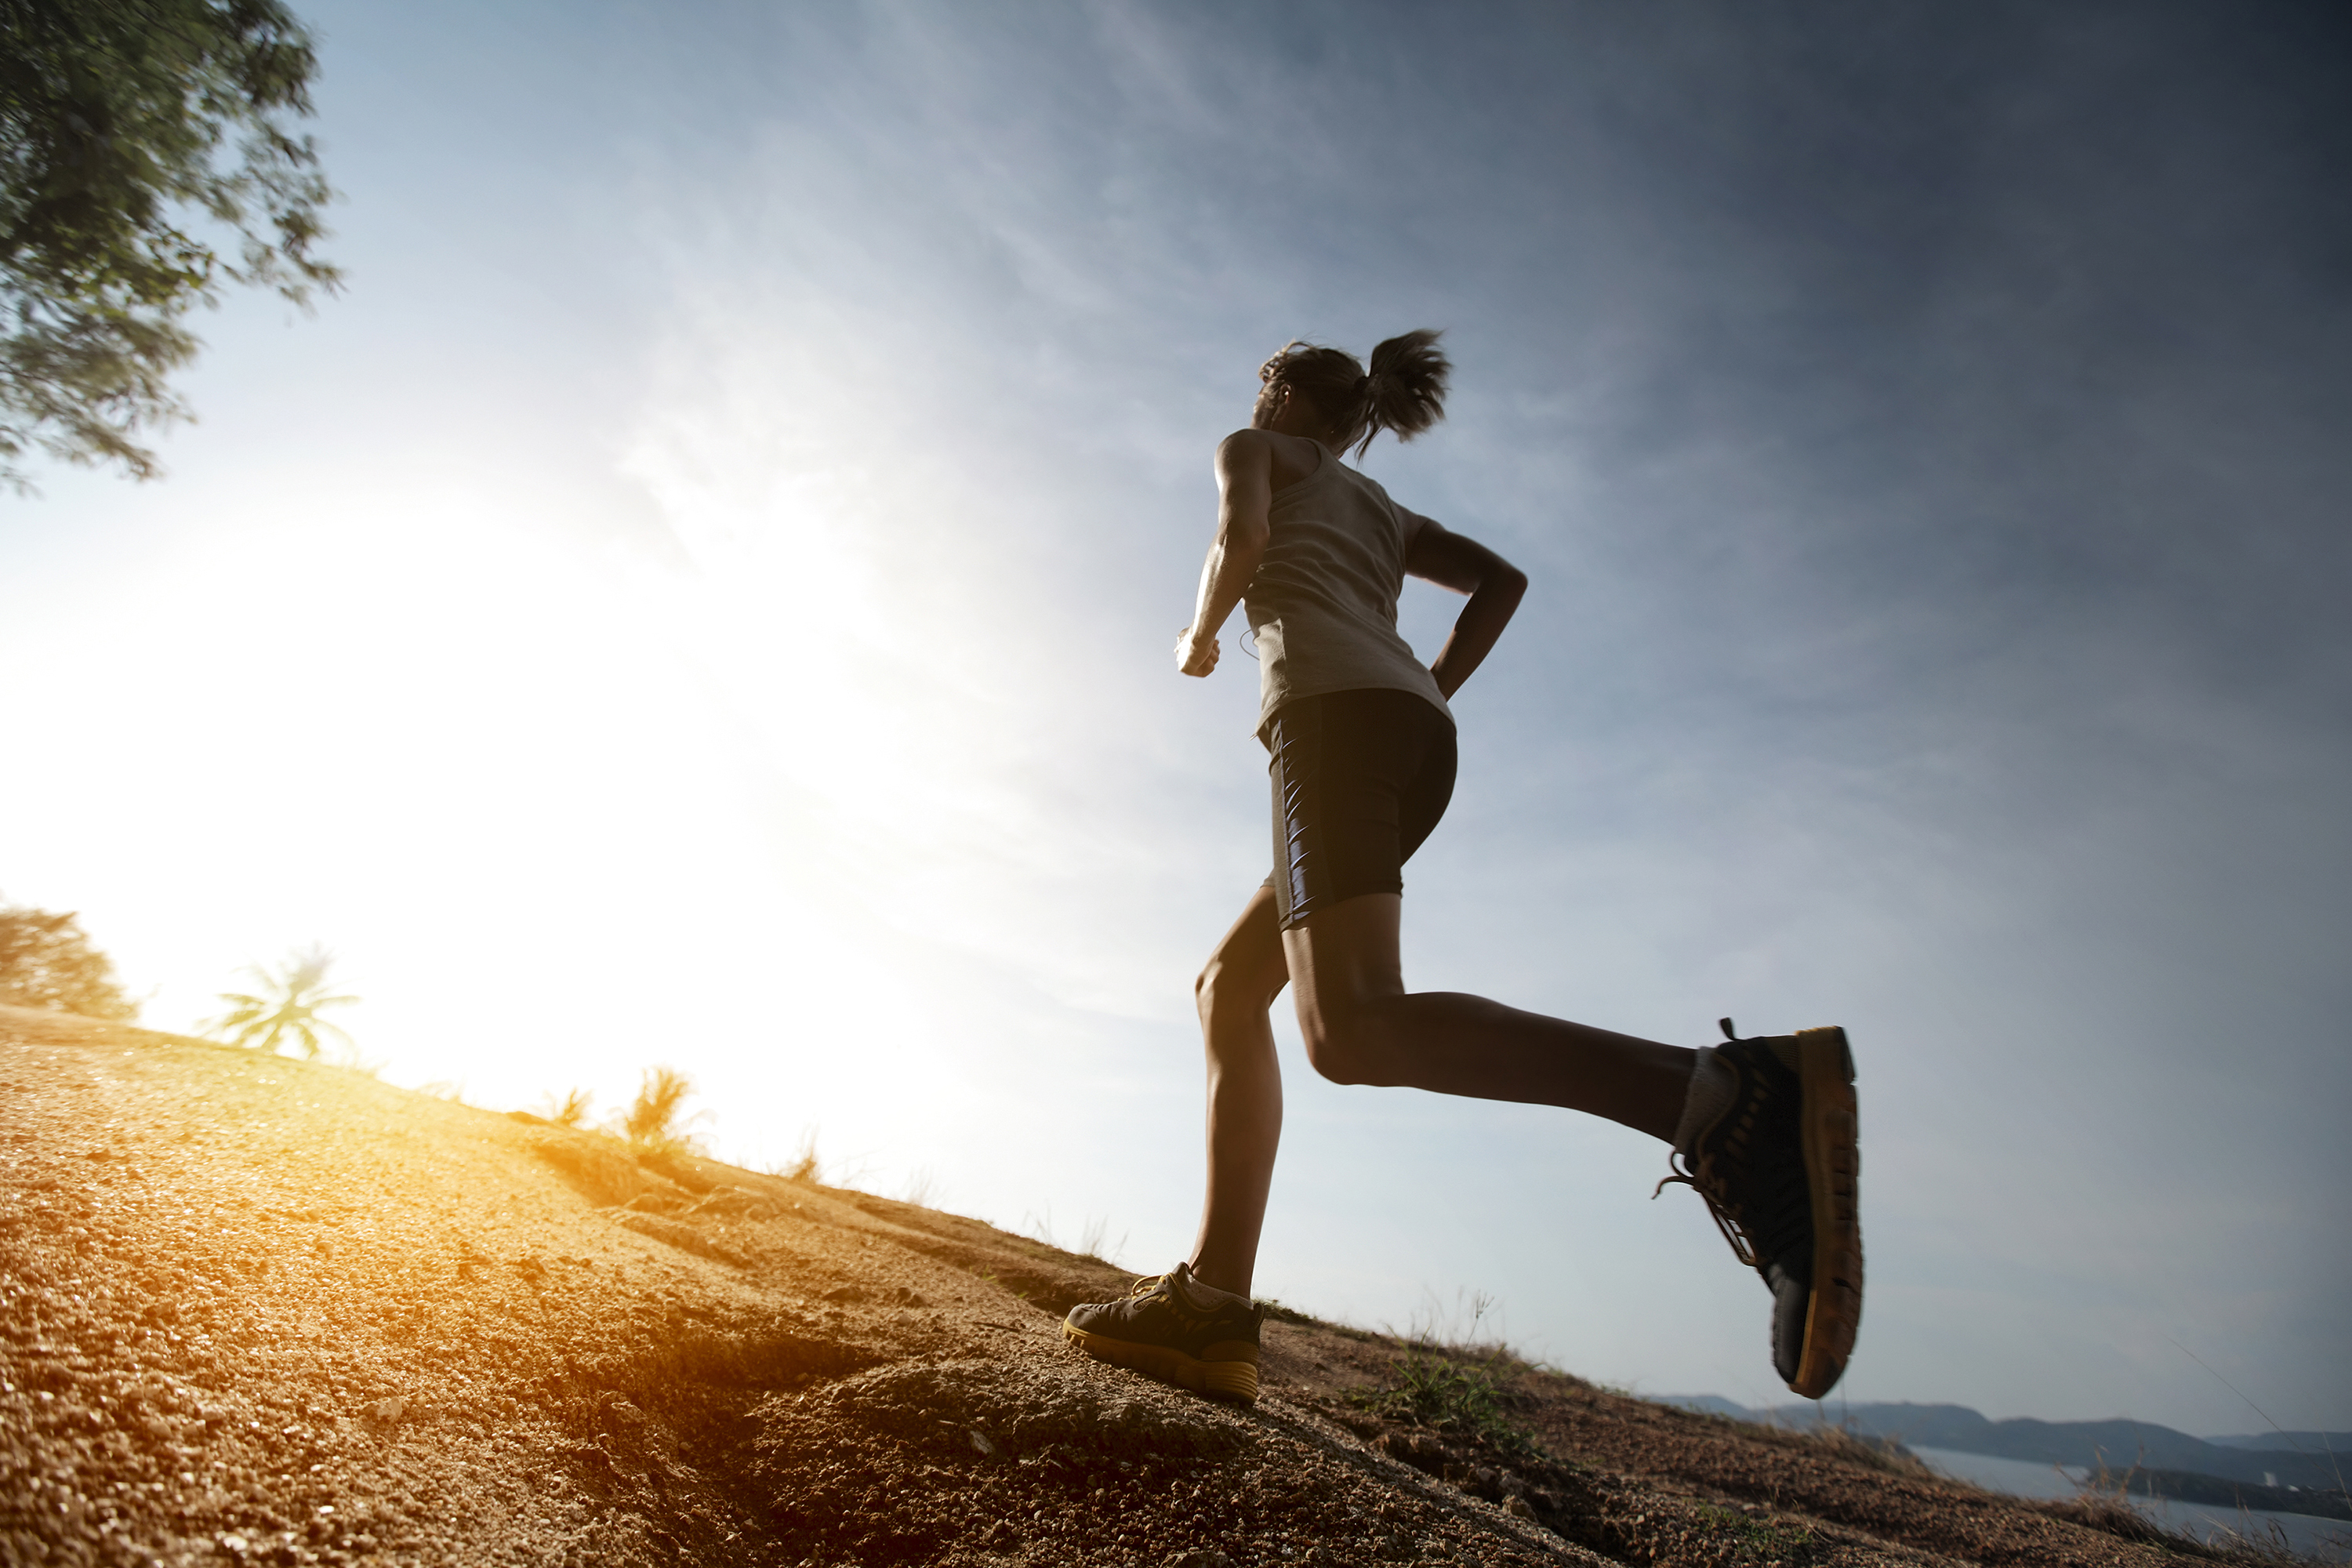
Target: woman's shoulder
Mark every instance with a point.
(1372, 487)
(1287, 460)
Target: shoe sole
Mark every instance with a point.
(1833, 1174)
(1235, 1380)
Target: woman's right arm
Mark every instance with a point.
(1496, 586)
(1244, 501)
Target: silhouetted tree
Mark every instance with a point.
(128, 128)
(46, 961)
(285, 1009)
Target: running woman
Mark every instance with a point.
(1362, 758)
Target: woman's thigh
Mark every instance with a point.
(1359, 779)
(1341, 959)
(1247, 967)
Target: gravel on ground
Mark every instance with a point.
(260, 1310)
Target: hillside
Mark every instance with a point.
(263, 1312)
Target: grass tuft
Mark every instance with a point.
(1453, 1394)
(1886, 1454)
(803, 1166)
(921, 1189)
(1453, 1380)
(569, 1108)
(1093, 1238)
(1764, 1539)
(1425, 1388)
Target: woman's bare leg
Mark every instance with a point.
(1363, 1027)
(1235, 992)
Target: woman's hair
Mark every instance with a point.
(1403, 392)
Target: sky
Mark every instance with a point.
(703, 596)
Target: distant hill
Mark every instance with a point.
(2117, 1444)
(2340, 1443)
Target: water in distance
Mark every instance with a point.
(2328, 1540)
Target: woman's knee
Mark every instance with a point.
(1349, 1049)
(1220, 990)
(1248, 969)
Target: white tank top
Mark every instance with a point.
(1322, 606)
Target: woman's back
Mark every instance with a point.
(1322, 604)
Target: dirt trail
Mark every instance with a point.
(258, 1311)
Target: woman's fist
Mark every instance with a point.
(1195, 655)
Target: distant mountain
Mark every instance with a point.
(2302, 1442)
(2118, 1445)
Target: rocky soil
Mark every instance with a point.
(258, 1311)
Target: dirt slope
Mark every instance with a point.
(261, 1312)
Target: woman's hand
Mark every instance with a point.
(1194, 656)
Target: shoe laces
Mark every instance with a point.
(1179, 1300)
(1704, 1181)
(1722, 1169)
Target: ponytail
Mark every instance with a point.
(1406, 389)
(1403, 392)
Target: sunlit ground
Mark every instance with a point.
(703, 597)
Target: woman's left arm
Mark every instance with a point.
(1454, 560)
(1245, 504)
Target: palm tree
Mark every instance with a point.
(286, 1008)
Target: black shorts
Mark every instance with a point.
(1359, 780)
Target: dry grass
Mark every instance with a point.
(803, 1166)
(2105, 1505)
(1092, 1239)
(1455, 1379)
(921, 1189)
(1886, 1454)
(570, 1109)
(1453, 1398)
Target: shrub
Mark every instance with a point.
(46, 961)
(653, 1123)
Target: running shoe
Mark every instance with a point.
(1769, 1138)
(1178, 1330)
